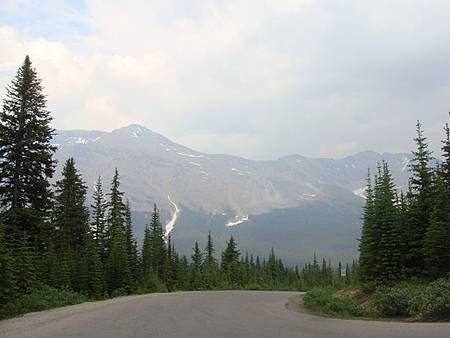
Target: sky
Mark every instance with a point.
(254, 78)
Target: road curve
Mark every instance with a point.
(202, 314)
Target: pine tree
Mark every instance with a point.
(420, 202)
(210, 267)
(158, 249)
(146, 253)
(95, 283)
(26, 152)
(131, 243)
(117, 269)
(70, 213)
(369, 239)
(388, 255)
(230, 262)
(437, 239)
(196, 268)
(98, 222)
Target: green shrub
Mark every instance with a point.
(41, 299)
(323, 301)
(152, 284)
(400, 300)
(435, 300)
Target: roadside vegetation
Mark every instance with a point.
(404, 264)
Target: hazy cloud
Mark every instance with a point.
(253, 78)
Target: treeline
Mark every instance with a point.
(406, 235)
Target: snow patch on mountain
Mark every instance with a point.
(361, 192)
(190, 155)
(241, 172)
(171, 224)
(238, 220)
(195, 163)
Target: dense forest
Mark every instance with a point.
(404, 263)
(406, 235)
(55, 250)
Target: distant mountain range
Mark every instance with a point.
(296, 204)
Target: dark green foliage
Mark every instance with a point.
(131, 243)
(7, 277)
(196, 268)
(210, 266)
(70, 214)
(420, 197)
(117, 266)
(94, 281)
(98, 222)
(24, 266)
(400, 300)
(230, 262)
(39, 299)
(323, 301)
(26, 153)
(156, 247)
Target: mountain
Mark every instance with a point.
(296, 204)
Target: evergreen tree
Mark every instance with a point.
(437, 239)
(117, 269)
(26, 152)
(70, 213)
(230, 262)
(420, 202)
(131, 243)
(24, 266)
(158, 249)
(210, 267)
(369, 239)
(146, 253)
(94, 283)
(388, 255)
(196, 268)
(98, 222)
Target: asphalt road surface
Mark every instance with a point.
(203, 314)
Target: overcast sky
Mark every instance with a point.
(255, 78)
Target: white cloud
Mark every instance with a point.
(255, 78)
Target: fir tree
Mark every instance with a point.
(98, 222)
(196, 268)
(70, 213)
(437, 239)
(158, 249)
(420, 202)
(210, 267)
(26, 152)
(131, 243)
(94, 283)
(230, 262)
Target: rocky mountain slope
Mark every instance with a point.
(230, 190)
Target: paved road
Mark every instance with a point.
(202, 314)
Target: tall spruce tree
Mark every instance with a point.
(158, 249)
(98, 222)
(230, 262)
(196, 268)
(420, 205)
(26, 152)
(131, 242)
(117, 268)
(70, 213)
(437, 239)
(369, 238)
(210, 267)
